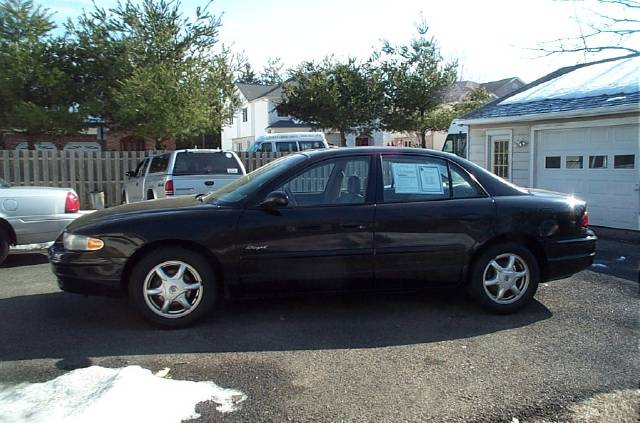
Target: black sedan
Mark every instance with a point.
(332, 220)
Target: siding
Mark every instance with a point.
(520, 160)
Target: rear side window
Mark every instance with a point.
(286, 146)
(159, 164)
(462, 186)
(220, 163)
(408, 179)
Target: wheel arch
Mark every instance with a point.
(527, 241)
(189, 245)
(6, 226)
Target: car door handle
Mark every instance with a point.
(359, 226)
(209, 183)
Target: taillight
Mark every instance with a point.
(71, 203)
(584, 222)
(168, 187)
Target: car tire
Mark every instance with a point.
(150, 195)
(124, 198)
(156, 277)
(4, 245)
(504, 278)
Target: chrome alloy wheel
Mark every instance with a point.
(506, 278)
(172, 289)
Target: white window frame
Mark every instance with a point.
(492, 135)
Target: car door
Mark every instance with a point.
(322, 240)
(429, 216)
(134, 185)
(156, 177)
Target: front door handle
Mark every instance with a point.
(358, 226)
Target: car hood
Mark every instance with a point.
(135, 209)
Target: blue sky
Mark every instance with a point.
(490, 38)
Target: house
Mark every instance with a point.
(257, 116)
(575, 131)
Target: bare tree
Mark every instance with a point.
(603, 26)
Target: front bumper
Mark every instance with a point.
(86, 273)
(568, 256)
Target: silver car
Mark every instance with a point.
(34, 215)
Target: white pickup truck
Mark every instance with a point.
(182, 172)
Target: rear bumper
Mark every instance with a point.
(41, 229)
(85, 273)
(568, 256)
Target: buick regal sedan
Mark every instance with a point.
(330, 220)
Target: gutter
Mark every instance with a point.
(598, 111)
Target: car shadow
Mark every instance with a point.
(71, 327)
(19, 259)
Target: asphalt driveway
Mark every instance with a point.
(413, 357)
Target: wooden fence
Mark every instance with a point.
(88, 172)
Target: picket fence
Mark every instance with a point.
(88, 172)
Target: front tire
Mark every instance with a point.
(173, 287)
(504, 278)
(4, 245)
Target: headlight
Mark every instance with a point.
(81, 243)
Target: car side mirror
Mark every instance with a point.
(275, 200)
(131, 173)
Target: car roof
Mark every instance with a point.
(335, 152)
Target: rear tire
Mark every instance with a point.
(504, 278)
(4, 245)
(173, 287)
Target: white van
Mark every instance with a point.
(288, 142)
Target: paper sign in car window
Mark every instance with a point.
(232, 170)
(430, 179)
(405, 178)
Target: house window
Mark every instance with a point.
(624, 161)
(501, 158)
(245, 114)
(280, 114)
(573, 162)
(597, 162)
(552, 162)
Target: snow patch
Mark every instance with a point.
(99, 394)
(609, 78)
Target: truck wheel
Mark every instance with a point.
(173, 287)
(150, 195)
(505, 278)
(4, 245)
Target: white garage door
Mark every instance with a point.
(597, 164)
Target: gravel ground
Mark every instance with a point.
(569, 356)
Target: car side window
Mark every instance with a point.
(331, 182)
(159, 164)
(265, 147)
(310, 145)
(462, 186)
(286, 146)
(414, 178)
(142, 166)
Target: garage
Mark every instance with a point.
(598, 164)
(575, 130)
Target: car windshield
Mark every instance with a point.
(241, 188)
(4, 184)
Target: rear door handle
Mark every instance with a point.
(359, 226)
(209, 183)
